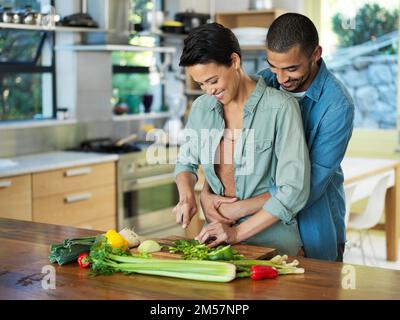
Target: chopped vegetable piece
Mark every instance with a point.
(149, 246)
(193, 250)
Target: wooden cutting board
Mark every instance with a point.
(248, 251)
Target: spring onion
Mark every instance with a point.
(278, 262)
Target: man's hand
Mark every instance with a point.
(185, 210)
(211, 203)
(231, 210)
(219, 232)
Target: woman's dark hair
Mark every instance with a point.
(209, 43)
(291, 29)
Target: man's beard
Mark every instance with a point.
(300, 81)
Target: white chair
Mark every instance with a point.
(348, 192)
(370, 217)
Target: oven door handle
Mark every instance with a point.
(146, 180)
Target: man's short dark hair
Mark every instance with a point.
(291, 29)
(209, 43)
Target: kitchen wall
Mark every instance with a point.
(84, 85)
(173, 6)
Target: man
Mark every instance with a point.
(296, 67)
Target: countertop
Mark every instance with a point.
(25, 248)
(50, 161)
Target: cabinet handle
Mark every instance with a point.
(5, 184)
(78, 197)
(78, 172)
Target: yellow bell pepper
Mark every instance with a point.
(116, 241)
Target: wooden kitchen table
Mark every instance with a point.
(24, 248)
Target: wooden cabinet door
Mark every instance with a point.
(72, 179)
(16, 197)
(93, 208)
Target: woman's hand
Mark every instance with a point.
(185, 210)
(211, 203)
(219, 232)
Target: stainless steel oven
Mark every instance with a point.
(147, 194)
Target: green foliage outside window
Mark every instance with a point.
(21, 96)
(372, 21)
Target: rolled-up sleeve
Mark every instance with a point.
(292, 177)
(188, 157)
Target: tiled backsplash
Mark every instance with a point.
(21, 141)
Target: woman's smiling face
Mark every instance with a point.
(217, 80)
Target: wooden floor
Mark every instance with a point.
(353, 254)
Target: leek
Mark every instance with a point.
(70, 249)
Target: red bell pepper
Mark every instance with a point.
(263, 272)
(83, 260)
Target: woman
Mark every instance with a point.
(248, 138)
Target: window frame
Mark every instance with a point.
(33, 68)
(117, 69)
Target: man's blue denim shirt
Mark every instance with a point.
(328, 113)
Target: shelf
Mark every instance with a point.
(250, 18)
(253, 48)
(142, 116)
(249, 12)
(44, 28)
(114, 47)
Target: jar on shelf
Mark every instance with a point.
(62, 114)
(18, 16)
(7, 16)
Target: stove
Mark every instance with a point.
(106, 145)
(146, 189)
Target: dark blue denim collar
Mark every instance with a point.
(315, 89)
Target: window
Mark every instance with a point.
(135, 74)
(360, 41)
(27, 72)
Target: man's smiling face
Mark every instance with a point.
(293, 69)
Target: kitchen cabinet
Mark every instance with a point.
(72, 179)
(15, 197)
(83, 197)
(61, 187)
(251, 18)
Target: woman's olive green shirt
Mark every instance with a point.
(271, 155)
